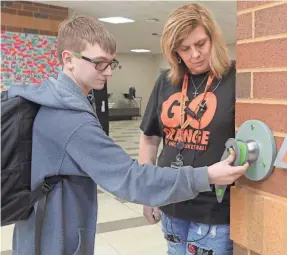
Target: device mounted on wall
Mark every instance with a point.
(254, 143)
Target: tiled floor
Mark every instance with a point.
(121, 230)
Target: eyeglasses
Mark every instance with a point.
(100, 65)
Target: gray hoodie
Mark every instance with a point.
(69, 140)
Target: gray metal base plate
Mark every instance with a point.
(258, 131)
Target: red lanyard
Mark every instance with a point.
(183, 123)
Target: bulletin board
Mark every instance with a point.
(27, 58)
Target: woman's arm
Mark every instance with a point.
(148, 149)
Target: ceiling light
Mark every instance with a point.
(140, 50)
(116, 20)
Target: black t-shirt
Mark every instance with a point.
(162, 118)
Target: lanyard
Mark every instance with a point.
(183, 123)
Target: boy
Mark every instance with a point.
(68, 140)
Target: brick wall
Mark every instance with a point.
(31, 17)
(259, 209)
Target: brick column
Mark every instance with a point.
(259, 209)
(31, 17)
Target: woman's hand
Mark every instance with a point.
(152, 214)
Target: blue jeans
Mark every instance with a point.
(185, 233)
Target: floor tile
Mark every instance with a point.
(132, 148)
(112, 210)
(133, 155)
(6, 252)
(118, 141)
(104, 196)
(6, 237)
(121, 136)
(121, 200)
(136, 207)
(161, 250)
(102, 248)
(121, 224)
(132, 241)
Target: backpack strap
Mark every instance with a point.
(40, 194)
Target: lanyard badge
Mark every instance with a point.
(197, 115)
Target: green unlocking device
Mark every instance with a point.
(254, 143)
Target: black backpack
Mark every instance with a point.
(17, 199)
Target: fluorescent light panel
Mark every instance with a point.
(116, 20)
(140, 50)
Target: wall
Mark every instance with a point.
(28, 49)
(259, 209)
(232, 50)
(139, 71)
(32, 18)
(27, 58)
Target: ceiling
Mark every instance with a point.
(139, 34)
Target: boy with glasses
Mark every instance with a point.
(68, 140)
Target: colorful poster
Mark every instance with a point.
(27, 58)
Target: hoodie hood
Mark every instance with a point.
(60, 93)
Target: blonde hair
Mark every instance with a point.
(180, 23)
(74, 34)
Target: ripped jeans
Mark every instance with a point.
(181, 234)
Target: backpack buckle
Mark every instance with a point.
(46, 187)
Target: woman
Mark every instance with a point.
(192, 108)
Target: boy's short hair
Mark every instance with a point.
(75, 33)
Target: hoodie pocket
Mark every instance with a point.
(86, 240)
